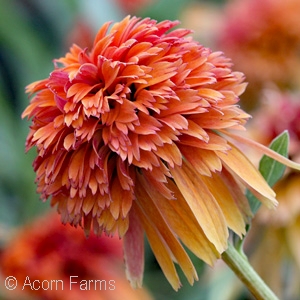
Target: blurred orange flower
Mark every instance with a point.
(275, 234)
(263, 38)
(57, 262)
(278, 111)
(132, 6)
(80, 34)
(132, 136)
(274, 241)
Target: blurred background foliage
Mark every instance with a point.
(32, 34)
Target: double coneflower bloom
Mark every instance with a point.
(132, 137)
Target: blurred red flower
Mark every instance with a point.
(57, 262)
(132, 6)
(263, 38)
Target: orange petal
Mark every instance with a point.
(203, 205)
(238, 163)
(88, 203)
(116, 196)
(181, 219)
(204, 161)
(238, 193)
(264, 150)
(161, 252)
(156, 217)
(231, 212)
(170, 154)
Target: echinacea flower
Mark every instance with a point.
(132, 6)
(131, 137)
(263, 38)
(56, 262)
(275, 234)
(278, 111)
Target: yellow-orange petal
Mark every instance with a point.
(156, 217)
(230, 209)
(263, 150)
(158, 246)
(240, 165)
(237, 191)
(203, 204)
(182, 220)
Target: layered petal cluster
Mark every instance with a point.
(132, 137)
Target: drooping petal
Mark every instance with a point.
(230, 209)
(264, 150)
(158, 246)
(238, 163)
(157, 219)
(203, 204)
(133, 246)
(182, 220)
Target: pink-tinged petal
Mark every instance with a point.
(203, 204)
(239, 164)
(133, 245)
(264, 150)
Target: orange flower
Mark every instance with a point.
(56, 262)
(274, 236)
(132, 6)
(130, 138)
(279, 111)
(263, 45)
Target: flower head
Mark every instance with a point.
(132, 137)
(278, 111)
(132, 6)
(263, 45)
(276, 233)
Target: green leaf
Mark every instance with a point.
(270, 169)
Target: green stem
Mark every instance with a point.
(240, 266)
